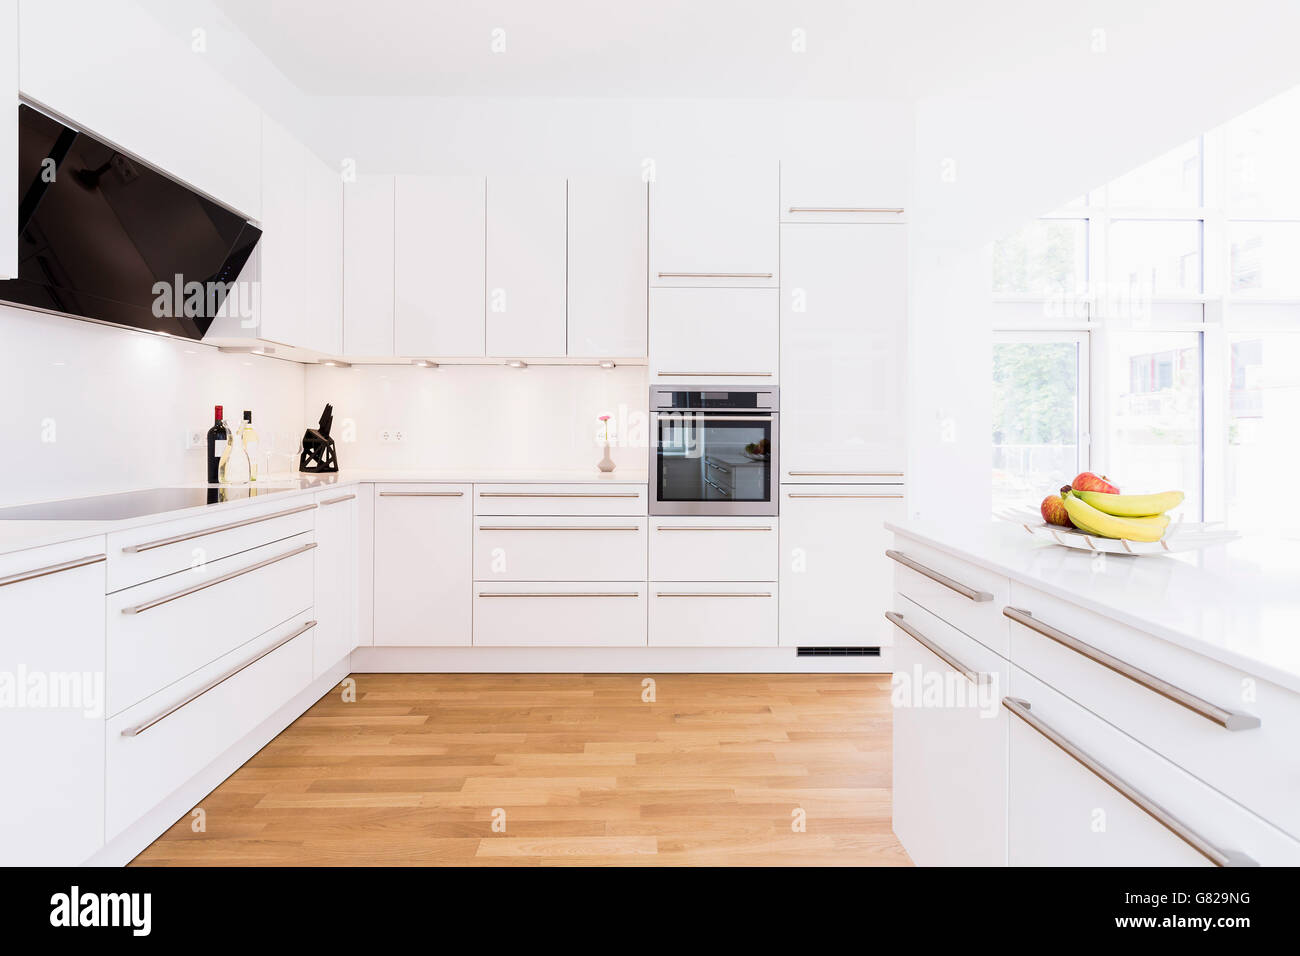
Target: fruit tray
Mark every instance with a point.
(1181, 536)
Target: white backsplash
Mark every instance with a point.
(483, 417)
(91, 409)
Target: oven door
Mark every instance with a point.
(713, 463)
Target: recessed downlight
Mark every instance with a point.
(335, 363)
(606, 363)
(517, 363)
(424, 363)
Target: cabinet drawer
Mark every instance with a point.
(967, 597)
(571, 499)
(1061, 813)
(156, 746)
(161, 631)
(568, 549)
(693, 548)
(691, 614)
(950, 746)
(1258, 766)
(144, 554)
(706, 336)
(548, 613)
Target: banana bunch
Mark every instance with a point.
(1132, 517)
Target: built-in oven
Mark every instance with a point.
(713, 451)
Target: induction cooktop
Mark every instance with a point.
(133, 504)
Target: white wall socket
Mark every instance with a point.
(387, 435)
(193, 440)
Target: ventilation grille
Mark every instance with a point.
(839, 652)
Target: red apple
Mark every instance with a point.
(1090, 482)
(1053, 509)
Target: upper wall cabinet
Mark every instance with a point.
(713, 225)
(438, 266)
(607, 267)
(368, 266)
(873, 190)
(111, 69)
(526, 263)
(324, 262)
(8, 139)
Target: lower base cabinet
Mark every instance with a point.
(713, 614)
(336, 579)
(551, 613)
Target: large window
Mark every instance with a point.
(1182, 343)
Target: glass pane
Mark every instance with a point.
(1049, 257)
(1172, 181)
(1263, 155)
(1035, 420)
(1155, 414)
(1263, 407)
(701, 459)
(1265, 258)
(1153, 258)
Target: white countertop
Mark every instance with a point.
(1238, 603)
(21, 535)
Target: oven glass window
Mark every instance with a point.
(714, 458)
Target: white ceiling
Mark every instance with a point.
(644, 48)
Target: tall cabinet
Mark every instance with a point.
(9, 139)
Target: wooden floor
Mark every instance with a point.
(578, 769)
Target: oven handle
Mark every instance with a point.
(689, 416)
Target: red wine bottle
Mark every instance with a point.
(218, 435)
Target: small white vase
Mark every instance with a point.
(606, 464)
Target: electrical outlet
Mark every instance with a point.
(387, 435)
(193, 440)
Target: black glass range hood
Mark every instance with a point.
(103, 236)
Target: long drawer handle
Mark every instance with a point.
(896, 211)
(1021, 708)
(555, 494)
(163, 542)
(559, 594)
(1227, 719)
(972, 675)
(167, 599)
(793, 495)
(715, 374)
(338, 501)
(714, 527)
(701, 416)
(714, 594)
(557, 527)
(847, 474)
(52, 569)
(715, 275)
(979, 597)
(421, 494)
(138, 729)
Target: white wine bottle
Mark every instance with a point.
(251, 444)
(235, 464)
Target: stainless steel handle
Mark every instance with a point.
(705, 416)
(712, 527)
(554, 494)
(972, 675)
(709, 464)
(896, 211)
(715, 275)
(794, 495)
(141, 728)
(557, 527)
(559, 594)
(718, 488)
(847, 474)
(158, 602)
(337, 501)
(970, 593)
(421, 494)
(1022, 709)
(715, 374)
(52, 569)
(714, 594)
(163, 542)
(1227, 719)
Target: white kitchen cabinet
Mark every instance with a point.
(526, 263)
(368, 221)
(950, 744)
(438, 266)
(712, 614)
(9, 139)
(711, 336)
(874, 189)
(323, 278)
(843, 352)
(607, 267)
(284, 248)
(559, 614)
(335, 609)
(52, 807)
(836, 582)
(144, 89)
(693, 548)
(423, 561)
(714, 224)
(559, 549)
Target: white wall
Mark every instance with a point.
(90, 409)
(482, 417)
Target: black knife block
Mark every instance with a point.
(318, 453)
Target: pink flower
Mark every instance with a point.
(604, 418)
